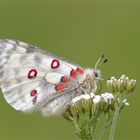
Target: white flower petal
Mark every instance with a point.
(122, 77)
(96, 99)
(92, 95)
(125, 102)
(76, 99)
(108, 97)
(86, 96)
(112, 78)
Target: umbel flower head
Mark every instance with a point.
(121, 85)
(90, 104)
(85, 111)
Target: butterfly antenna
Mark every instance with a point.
(99, 60)
(103, 62)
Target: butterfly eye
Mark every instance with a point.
(96, 74)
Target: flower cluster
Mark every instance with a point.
(91, 103)
(121, 85)
(85, 110)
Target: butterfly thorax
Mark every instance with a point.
(89, 84)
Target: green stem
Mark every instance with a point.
(93, 130)
(106, 125)
(93, 123)
(114, 121)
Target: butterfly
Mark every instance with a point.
(34, 80)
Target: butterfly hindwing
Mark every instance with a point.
(31, 78)
(58, 105)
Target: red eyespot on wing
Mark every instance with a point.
(73, 73)
(65, 79)
(33, 93)
(79, 71)
(55, 64)
(61, 87)
(32, 73)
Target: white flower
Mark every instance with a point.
(76, 99)
(86, 96)
(119, 80)
(121, 85)
(96, 99)
(112, 78)
(125, 102)
(109, 81)
(132, 82)
(108, 97)
(92, 95)
(122, 77)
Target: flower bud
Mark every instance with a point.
(121, 85)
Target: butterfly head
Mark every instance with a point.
(96, 74)
(93, 76)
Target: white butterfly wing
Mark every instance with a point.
(57, 106)
(31, 78)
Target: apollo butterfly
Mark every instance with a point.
(32, 79)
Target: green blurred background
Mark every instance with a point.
(80, 31)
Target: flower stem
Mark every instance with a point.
(114, 121)
(102, 130)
